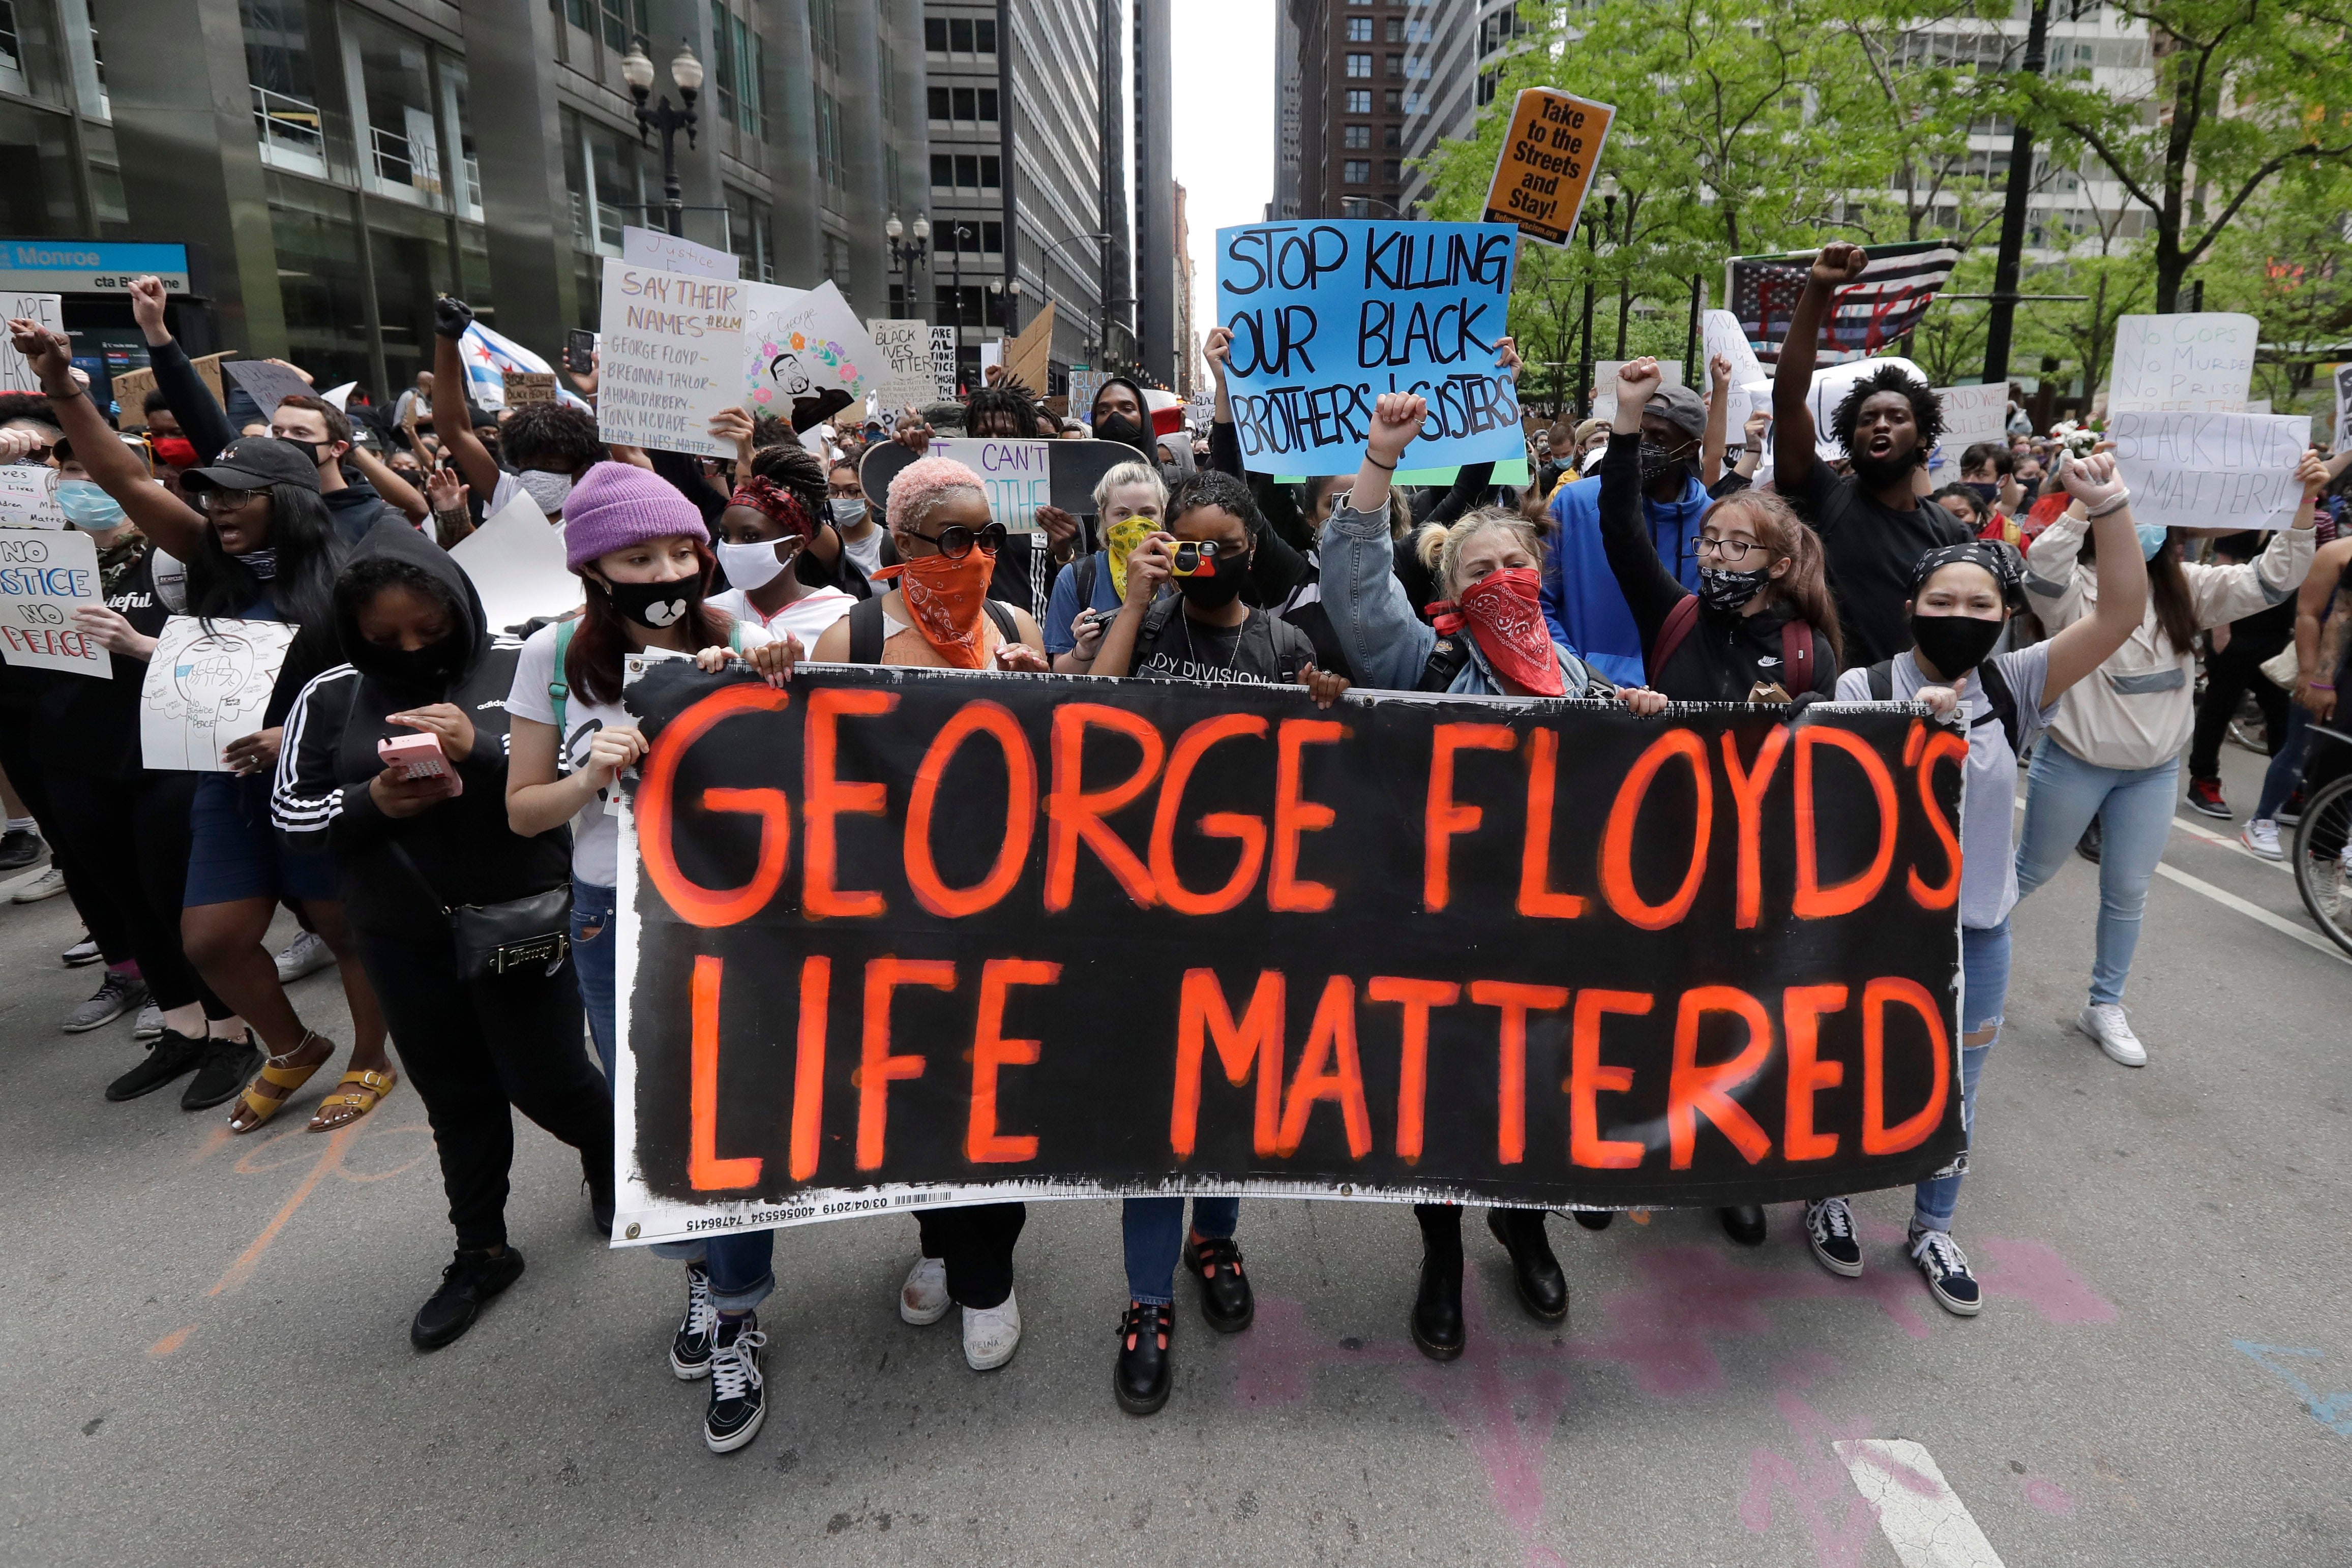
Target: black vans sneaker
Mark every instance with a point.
(172, 1054)
(1829, 1227)
(1946, 1268)
(739, 1395)
(697, 1332)
(471, 1281)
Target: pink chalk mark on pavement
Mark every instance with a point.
(1839, 1521)
(2050, 1496)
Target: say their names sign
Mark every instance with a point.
(44, 577)
(1017, 475)
(1327, 316)
(2220, 471)
(28, 498)
(2201, 363)
(672, 358)
(1551, 149)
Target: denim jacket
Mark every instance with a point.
(1387, 644)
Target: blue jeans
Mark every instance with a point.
(741, 1266)
(2286, 766)
(2134, 806)
(1154, 1232)
(1984, 989)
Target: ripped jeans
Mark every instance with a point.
(1984, 991)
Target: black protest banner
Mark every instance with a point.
(1326, 315)
(903, 937)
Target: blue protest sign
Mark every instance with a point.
(1327, 315)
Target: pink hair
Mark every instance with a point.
(923, 484)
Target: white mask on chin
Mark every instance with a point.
(547, 489)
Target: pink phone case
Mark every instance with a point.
(417, 756)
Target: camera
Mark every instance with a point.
(1194, 559)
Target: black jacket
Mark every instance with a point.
(454, 852)
(1723, 657)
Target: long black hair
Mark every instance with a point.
(222, 586)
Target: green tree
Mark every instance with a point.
(2287, 263)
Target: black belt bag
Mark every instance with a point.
(493, 938)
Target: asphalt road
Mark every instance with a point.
(203, 1356)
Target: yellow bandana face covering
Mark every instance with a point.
(1119, 540)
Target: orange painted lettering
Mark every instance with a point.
(1252, 1045)
(808, 1065)
(1802, 1008)
(655, 803)
(1413, 1074)
(1330, 1070)
(1877, 1137)
(1515, 1001)
(826, 798)
(1588, 1079)
(1444, 818)
(1076, 816)
(1250, 830)
(704, 1169)
(1295, 814)
(1945, 746)
(991, 1052)
(1537, 901)
(996, 721)
(1695, 1091)
(1814, 902)
(1747, 786)
(1624, 817)
(876, 1066)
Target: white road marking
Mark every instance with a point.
(1923, 1519)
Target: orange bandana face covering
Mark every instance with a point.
(944, 597)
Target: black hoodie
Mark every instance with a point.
(456, 851)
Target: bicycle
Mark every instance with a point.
(2323, 848)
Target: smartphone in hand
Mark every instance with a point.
(580, 352)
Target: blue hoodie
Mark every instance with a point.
(1580, 597)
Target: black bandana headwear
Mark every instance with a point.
(1997, 560)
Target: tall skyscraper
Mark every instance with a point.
(1155, 192)
(1363, 70)
(1285, 116)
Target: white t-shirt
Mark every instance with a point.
(805, 618)
(867, 552)
(595, 834)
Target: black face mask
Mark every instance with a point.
(431, 668)
(1730, 591)
(1659, 463)
(1954, 644)
(1988, 493)
(656, 606)
(1126, 431)
(1216, 592)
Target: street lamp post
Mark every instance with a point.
(906, 255)
(1101, 238)
(637, 70)
(1008, 318)
(1592, 257)
(961, 232)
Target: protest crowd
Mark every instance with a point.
(433, 784)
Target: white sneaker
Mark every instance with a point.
(305, 955)
(2261, 836)
(2104, 1021)
(149, 1025)
(923, 1299)
(49, 884)
(991, 1335)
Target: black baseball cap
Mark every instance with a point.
(256, 462)
(1680, 407)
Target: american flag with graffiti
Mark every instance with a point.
(1868, 315)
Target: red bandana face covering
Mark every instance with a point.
(1505, 615)
(945, 596)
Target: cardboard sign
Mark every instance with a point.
(29, 496)
(672, 348)
(1016, 475)
(1974, 414)
(529, 386)
(208, 683)
(2343, 410)
(904, 379)
(1326, 315)
(2220, 471)
(805, 354)
(516, 562)
(656, 251)
(1028, 357)
(266, 384)
(132, 387)
(2183, 364)
(943, 364)
(1550, 150)
(44, 577)
(16, 371)
(1372, 954)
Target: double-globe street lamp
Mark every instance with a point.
(637, 70)
(908, 249)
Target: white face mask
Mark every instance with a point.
(751, 566)
(547, 489)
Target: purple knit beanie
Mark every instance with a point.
(616, 505)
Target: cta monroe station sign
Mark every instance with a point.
(88, 266)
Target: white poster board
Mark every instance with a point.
(29, 496)
(2220, 471)
(658, 252)
(16, 371)
(2183, 364)
(1017, 475)
(2343, 410)
(1604, 384)
(1085, 386)
(904, 379)
(205, 689)
(1974, 414)
(1752, 385)
(801, 343)
(672, 351)
(943, 362)
(1831, 383)
(44, 577)
(516, 563)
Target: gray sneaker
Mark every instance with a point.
(49, 884)
(305, 955)
(149, 1025)
(117, 995)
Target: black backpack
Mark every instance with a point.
(1997, 696)
(866, 634)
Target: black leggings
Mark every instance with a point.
(2230, 674)
(976, 1244)
(477, 1050)
(126, 842)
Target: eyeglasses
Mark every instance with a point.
(955, 541)
(213, 498)
(1729, 549)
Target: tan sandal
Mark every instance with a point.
(372, 1088)
(286, 1079)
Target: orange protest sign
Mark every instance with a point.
(1551, 149)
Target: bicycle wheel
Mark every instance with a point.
(2247, 727)
(2321, 873)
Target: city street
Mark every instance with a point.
(205, 1358)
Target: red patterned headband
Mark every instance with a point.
(764, 496)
